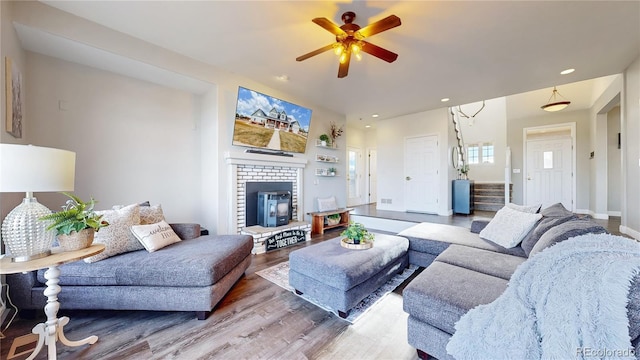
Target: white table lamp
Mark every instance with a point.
(27, 168)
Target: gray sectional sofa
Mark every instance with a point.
(464, 271)
(191, 275)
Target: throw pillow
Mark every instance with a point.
(556, 210)
(565, 231)
(327, 204)
(509, 227)
(148, 214)
(525, 208)
(117, 237)
(541, 227)
(155, 236)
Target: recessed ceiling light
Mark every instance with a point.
(367, 126)
(375, 115)
(568, 71)
(445, 99)
(282, 77)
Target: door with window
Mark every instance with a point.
(373, 176)
(355, 169)
(548, 173)
(422, 164)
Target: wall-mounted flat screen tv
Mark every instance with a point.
(265, 122)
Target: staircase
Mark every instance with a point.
(490, 196)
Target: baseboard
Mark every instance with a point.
(614, 213)
(593, 214)
(629, 231)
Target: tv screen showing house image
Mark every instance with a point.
(265, 122)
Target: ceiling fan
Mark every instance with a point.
(350, 40)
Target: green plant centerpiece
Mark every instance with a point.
(76, 224)
(357, 234)
(325, 140)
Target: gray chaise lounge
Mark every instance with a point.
(191, 275)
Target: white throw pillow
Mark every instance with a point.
(155, 236)
(327, 204)
(532, 209)
(117, 237)
(509, 227)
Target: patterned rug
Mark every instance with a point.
(279, 275)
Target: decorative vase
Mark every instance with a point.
(324, 143)
(77, 240)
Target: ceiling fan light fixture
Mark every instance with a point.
(553, 104)
(338, 49)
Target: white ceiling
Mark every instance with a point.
(464, 50)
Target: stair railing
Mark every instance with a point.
(458, 154)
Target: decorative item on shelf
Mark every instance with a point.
(555, 105)
(335, 132)
(463, 172)
(27, 168)
(357, 237)
(326, 158)
(332, 171)
(324, 140)
(333, 219)
(76, 224)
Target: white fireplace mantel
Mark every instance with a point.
(239, 159)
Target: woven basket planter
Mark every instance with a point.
(77, 240)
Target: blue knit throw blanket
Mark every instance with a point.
(568, 301)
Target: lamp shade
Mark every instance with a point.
(28, 168)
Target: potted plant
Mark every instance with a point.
(332, 171)
(76, 224)
(333, 219)
(324, 139)
(357, 233)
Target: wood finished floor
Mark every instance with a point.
(256, 320)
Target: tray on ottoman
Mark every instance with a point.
(341, 277)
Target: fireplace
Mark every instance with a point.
(273, 208)
(252, 201)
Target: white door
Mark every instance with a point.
(373, 176)
(355, 169)
(548, 173)
(421, 174)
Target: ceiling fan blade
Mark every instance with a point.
(379, 26)
(330, 26)
(343, 70)
(315, 52)
(379, 52)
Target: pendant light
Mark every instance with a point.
(553, 104)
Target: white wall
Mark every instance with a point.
(391, 134)
(134, 141)
(489, 126)
(631, 150)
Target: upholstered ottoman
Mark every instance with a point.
(339, 277)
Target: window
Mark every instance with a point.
(547, 159)
(473, 154)
(487, 153)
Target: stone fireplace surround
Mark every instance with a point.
(249, 167)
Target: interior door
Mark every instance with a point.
(355, 169)
(548, 174)
(421, 174)
(373, 176)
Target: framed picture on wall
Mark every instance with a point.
(14, 98)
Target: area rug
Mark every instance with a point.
(279, 275)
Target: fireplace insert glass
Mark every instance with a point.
(273, 208)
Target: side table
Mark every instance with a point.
(52, 330)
